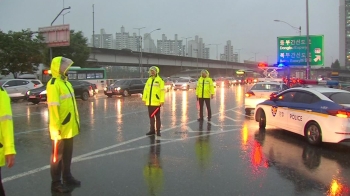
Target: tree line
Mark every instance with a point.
(22, 52)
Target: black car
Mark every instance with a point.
(82, 89)
(125, 87)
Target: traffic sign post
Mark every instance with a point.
(293, 49)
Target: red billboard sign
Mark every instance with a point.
(56, 36)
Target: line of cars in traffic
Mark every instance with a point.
(314, 109)
(34, 90)
(127, 87)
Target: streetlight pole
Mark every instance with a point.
(140, 49)
(186, 52)
(217, 56)
(296, 28)
(67, 8)
(65, 14)
(149, 34)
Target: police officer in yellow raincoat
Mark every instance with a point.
(204, 91)
(7, 144)
(64, 124)
(153, 96)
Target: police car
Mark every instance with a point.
(321, 114)
(262, 91)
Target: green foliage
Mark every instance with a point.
(335, 64)
(20, 52)
(78, 50)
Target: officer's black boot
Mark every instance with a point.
(71, 181)
(158, 133)
(58, 187)
(151, 133)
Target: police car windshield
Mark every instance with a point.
(273, 87)
(338, 97)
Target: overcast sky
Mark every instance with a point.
(249, 24)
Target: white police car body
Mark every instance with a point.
(260, 92)
(320, 114)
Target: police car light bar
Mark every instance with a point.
(319, 82)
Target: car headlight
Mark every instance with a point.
(105, 89)
(44, 92)
(184, 85)
(117, 89)
(28, 92)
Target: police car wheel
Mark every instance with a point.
(313, 133)
(262, 120)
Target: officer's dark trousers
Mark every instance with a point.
(155, 119)
(207, 103)
(2, 191)
(63, 161)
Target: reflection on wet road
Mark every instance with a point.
(227, 156)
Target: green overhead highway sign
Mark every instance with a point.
(292, 50)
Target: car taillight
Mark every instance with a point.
(274, 94)
(35, 85)
(339, 113)
(249, 94)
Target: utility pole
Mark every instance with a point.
(308, 68)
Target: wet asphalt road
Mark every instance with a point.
(229, 156)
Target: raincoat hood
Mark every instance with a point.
(153, 68)
(59, 67)
(206, 72)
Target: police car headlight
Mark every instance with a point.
(105, 89)
(44, 92)
(118, 89)
(28, 92)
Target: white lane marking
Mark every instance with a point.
(232, 119)
(33, 171)
(24, 132)
(145, 146)
(122, 143)
(83, 156)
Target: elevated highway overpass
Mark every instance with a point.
(169, 64)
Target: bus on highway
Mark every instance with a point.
(93, 75)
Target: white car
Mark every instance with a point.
(260, 92)
(320, 114)
(17, 88)
(185, 84)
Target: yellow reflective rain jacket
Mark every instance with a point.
(154, 92)
(7, 144)
(205, 87)
(63, 112)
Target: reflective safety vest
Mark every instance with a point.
(63, 112)
(205, 87)
(154, 92)
(7, 144)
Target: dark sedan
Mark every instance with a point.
(82, 89)
(125, 87)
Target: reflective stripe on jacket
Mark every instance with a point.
(154, 92)
(205, 87)
(63, 112)
(7, 144)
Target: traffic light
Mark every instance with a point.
(262, 64)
